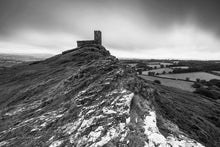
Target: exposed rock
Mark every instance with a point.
(86, 97)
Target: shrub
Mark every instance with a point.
(139, 71)
(204, 92)
(141, 65)
(203, 81)
(157, 81)
(215, 93)
(215, 82)
(196, 85)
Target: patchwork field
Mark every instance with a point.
(159, 71)
(183, 85)
(192, 76)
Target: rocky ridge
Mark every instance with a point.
(86, 97)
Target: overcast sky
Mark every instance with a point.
(171, 29)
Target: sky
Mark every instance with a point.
(146, 29)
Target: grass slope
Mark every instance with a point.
(196, 115)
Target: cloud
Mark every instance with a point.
(140, 28)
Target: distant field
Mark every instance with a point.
(9, 63)
(160, 71)
(192, 76)
(132, 64)
(218, 72)
(183, 85)
(182, 67)
(153, 66)
(8, 60)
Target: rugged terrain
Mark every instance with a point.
(86, 97)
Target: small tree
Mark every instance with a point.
(150, 73)
(198, 80)
(139, 71)
(187, 78)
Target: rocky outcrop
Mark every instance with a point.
(84, 97)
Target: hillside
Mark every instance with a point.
(86, 97)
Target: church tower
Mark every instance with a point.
(98, 37)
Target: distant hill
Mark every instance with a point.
(86, 97)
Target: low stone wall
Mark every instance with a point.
(84, 43)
